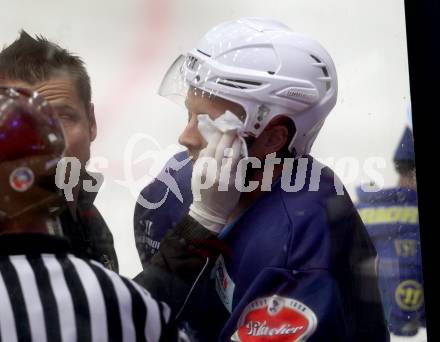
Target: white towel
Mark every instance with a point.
(224, 123)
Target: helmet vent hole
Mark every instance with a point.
(315, 58)
(324, 70)
(204, 53)
(245, 82)
(240, 84)
(231, 85)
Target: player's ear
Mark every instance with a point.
(92, 121)
(275, 138)
(276, 135)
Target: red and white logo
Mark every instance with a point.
(276, 319)
(21, 179)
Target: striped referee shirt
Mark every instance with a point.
(47, 294)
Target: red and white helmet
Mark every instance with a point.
(267, 68)
(31, 144)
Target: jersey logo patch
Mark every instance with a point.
(276, 319)
(21, 179)
(224, 285)
(409, 295)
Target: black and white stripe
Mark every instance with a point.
(53, 298)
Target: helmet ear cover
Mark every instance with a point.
(31, 144)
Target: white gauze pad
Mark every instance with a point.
(226, 122)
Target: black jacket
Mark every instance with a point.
(88, 233)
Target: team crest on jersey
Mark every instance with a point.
(277, 319)
(409, 295)
(21, 179)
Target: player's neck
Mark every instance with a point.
(249, 198)
(40, 223)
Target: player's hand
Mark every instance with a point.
(213, 181)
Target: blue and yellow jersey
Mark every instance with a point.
(392, 220)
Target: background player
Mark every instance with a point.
(391, 217)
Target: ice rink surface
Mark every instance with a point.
(128, 45)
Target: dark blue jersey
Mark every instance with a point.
(392, 220)
(298, 265)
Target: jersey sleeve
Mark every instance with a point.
(158, 208)
(185, 253)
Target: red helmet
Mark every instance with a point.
(31, 144)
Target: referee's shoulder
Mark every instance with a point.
(64, 289)
(101, 272)
(134, 288)
(159, 312)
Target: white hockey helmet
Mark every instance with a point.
(267, 68)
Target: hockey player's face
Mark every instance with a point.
(201, 103)
(78, 119)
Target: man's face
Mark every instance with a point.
(201, 103)
(77, 118)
